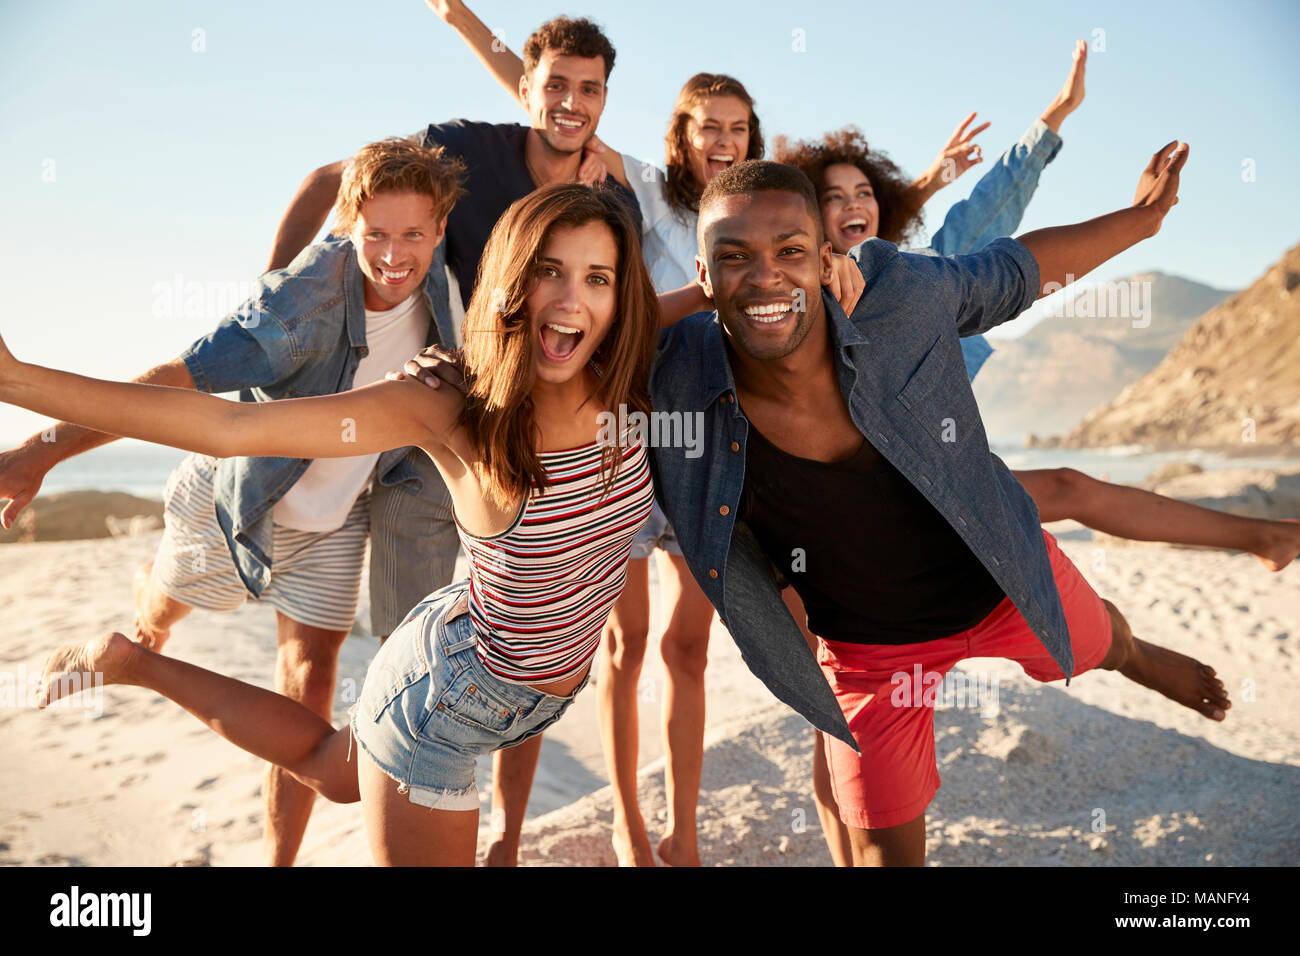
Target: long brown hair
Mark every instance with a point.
(682, 188)
(499, 413)
(900, 217)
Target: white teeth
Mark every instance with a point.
(767, 313)
(562, 329)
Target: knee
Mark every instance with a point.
(685, 651)
(626, 646)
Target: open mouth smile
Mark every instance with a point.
(855, 229)
(559, 342)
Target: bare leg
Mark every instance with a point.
(828, 811)
(155, 612)
(1179, 677)
(903, 845)
(512, 782)
(306, 663)
(1128, 512)
(685, 650)
(404, 834)
(622, 652)
(266, 724)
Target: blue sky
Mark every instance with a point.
(130, 159)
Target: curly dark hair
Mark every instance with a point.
(900, 217)
(568, 36)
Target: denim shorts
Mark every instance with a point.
(657, 533)
(429, 707)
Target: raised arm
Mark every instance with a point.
(1067, 253)
(23, 469)
(956, 156)
(307, 212)
(502, 62)
(371, 419)
(998, 201)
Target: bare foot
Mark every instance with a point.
(1284, 545)
(632, 845)
(1179, 677)
(150, 636)
(675, 855)
(67, 669)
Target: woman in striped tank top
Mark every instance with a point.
(561, 328)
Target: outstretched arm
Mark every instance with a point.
(1067, 253)
(371, 419)
(307, 212)
(23, 469)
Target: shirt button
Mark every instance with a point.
(724, 510)
(735, 446)
(713, 573)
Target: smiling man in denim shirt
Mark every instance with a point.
(291, 532)
(846, 455)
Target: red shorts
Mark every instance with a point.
(888, 693)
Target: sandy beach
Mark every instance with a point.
(1101, 773)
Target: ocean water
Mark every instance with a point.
(136, 468)
(142, 470)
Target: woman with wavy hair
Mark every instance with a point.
(713, 126)
(561, 328)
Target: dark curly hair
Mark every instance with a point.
(900, 217)
(568, 36)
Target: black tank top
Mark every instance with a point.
(872, 559)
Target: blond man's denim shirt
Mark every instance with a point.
(901, 372)
(302, 332)
(994, 209)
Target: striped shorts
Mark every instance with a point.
(315, 575)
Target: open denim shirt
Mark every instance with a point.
(303, 332)
(994, 209)
(903, 378)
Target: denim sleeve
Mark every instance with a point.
(983, 290)
(249, 349)
(998, 202)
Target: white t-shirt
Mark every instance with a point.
(321, 499)
(668, 242)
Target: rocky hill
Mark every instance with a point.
(1095, 341)
(1233, 381)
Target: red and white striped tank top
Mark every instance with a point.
(540, 591)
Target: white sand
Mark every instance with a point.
(145, 784)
